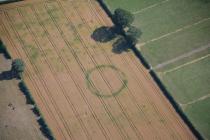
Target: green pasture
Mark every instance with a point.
(198, 113)
(177, 44)
(189, 85)
(189, 82)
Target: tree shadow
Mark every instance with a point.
(7, 75)
(120, 46)
(104, 34)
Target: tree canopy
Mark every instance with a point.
(132, 40)
(134, 31)
(18, 67)
(123, 18)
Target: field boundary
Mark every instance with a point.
(158, 81)
(161, 65)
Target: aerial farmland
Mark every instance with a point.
(83, 88)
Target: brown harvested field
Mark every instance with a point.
(83, 88)
(17, 121)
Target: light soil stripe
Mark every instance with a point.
(149, 7)
(181, 66)
(176, 31)
(182, 56)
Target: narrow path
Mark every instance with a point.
(176, 31)
(185, 55)
(149, 7)
(197, 100)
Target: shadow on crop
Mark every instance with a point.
(104, 34)
(120, 46)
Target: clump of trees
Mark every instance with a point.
(123, 20)
(122, 28)
(18, 68)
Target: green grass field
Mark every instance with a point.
(188, 83)
(177, 44)
(174, 28)
(202, 122)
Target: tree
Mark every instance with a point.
(122, 18)
(18, 67)
(134, 32)
(132, 39)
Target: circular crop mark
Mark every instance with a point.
(92, 87)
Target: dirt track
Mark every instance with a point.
(54, 40)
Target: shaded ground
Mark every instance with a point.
(17, 121)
